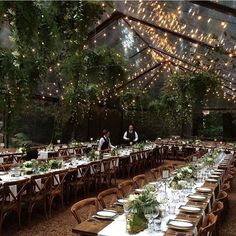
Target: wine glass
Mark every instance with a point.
(148, 213)
(155, 212)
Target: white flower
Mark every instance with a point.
(132, 197)
(179, 175)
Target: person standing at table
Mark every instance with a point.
(105, 142)
(130, 136)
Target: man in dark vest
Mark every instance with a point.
(130, 136)
(104, 142)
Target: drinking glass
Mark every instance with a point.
(126, 208)
(148, 211)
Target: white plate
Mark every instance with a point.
(106, 214)
(213, 176)
(204, 190)
(197, 197)
(190, 209)
(212, 180)
(216, 173)
(122, 201)
(139, 190)
(180, 224)
(3, 173)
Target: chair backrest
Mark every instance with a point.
(108, 197)
(226, 187)
(126, 187)
(84, 209)
(155, 173)
(11, 192)
(63, 152)
(58, 179)
(222, 196)
(107, 165)
(217, 208)
(83, 172)
(40, 184)
(208, 225)
(115, 162)
(96, 167)
(139, 180)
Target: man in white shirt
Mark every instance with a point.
(131, 135)
(105, 142)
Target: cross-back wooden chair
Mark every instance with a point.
(139, 180)
(81, 179)
(155, 172)
(38, 192)
(108, 197)
(126, 188)
(10, 199)
(133, 164)
(223, 197)
(56, 188)
(84, 209)
(208, 226)
(96, 170)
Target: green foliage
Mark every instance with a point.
(184, 95)
(212, 126)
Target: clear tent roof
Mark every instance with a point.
(185, 35)
(161, 37)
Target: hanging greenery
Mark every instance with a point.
(183, 96)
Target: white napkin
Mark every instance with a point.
(56, 180)
(39, 183)
(13, 189)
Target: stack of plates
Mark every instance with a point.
(122, 201)
(190, 209)
(106, 214)
(220, 171)
(204, 190)
(197, 198)
(180, 224)
(213, 176)
(212, 180)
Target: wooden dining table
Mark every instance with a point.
(92, 226)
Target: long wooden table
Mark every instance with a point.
(92, 227)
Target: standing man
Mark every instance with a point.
(104, 142)
(130, 136)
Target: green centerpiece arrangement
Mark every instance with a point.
(34, 166)
(135, 218)
(138, 147)
(183, 176)
(209, 160)
(114, 152)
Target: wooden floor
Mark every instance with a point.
(62, 221)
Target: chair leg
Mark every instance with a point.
(19, 216)
(30, 210)
(45, 208)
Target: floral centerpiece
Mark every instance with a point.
(136, 220)
(183, 176)
(209, 160)
(114, 152)
(138, 146)
(29, 166)
(55, 164)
